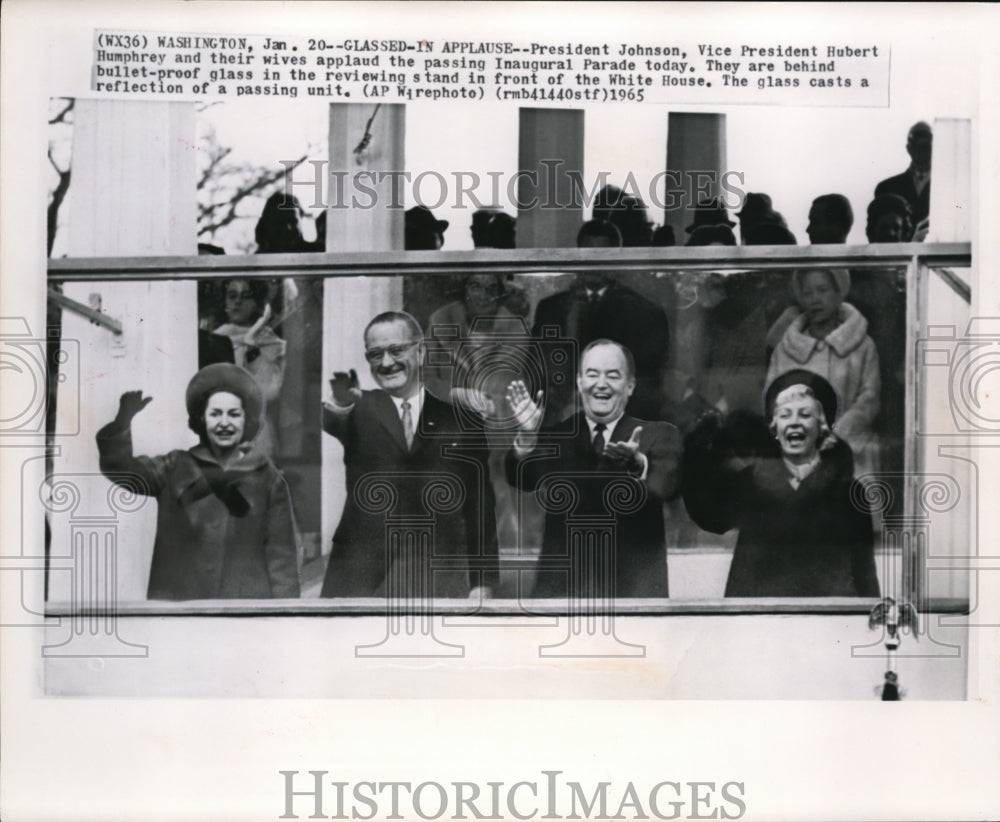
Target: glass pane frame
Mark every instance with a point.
(922, 261)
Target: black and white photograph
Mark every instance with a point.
(388, 382)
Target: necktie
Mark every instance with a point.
(407, 424)
(599, 441)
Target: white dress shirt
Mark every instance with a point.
(416, 406)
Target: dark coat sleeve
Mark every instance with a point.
(281, 542)
(862, 538)
(335, 421)
(664, 454)
(140, 475)
(525, 471)
(488, 517)
(711, 477)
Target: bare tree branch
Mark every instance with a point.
(58, 195)
(61, 116)
(215, 160)
(255, 180)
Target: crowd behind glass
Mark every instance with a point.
(539, 415)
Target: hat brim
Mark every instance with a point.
(820, 386)
(223, 376)
(693, 226)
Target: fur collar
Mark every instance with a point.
(846, 337)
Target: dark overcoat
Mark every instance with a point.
(219, 534)
(436, 493)
(813, 541)
(903, 185)
(583, 493)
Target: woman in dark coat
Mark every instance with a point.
(224, 527)
(788, 488)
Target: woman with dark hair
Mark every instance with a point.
(805, 529)
(279, 228)
(255, 346)
(890, 220)
(225, 527)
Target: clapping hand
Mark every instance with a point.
(626, 452)
(527, 411)
(345, 387)
(251, 335)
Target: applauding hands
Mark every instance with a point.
(626, 452)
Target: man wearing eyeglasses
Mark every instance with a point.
(410, 458)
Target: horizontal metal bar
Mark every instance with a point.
(758, 606)
(514, 261)
(85, 311)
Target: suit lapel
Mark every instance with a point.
(385, 413)
(432, 422)
(626, 425)
(623, 430)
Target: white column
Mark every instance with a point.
(951, 182)
(349, 303)
(132, 194)
(696, 143)
(551, 147)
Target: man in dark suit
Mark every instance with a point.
(597, 307)
(914, 184)
(602, 477)
(420, 514)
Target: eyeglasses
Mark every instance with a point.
(239, 295)
(376, 355)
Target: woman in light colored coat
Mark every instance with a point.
(830, 337)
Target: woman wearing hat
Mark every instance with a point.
(225, 527)
(787, 487)
(830, 337)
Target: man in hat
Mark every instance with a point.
(627, 212)
(709, 213)
(422, 230)
(599, 307)
(408, 455)
(224, 525)
(757, 210)
(914, 184)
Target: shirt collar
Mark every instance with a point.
(609, 427)
(416, 404)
